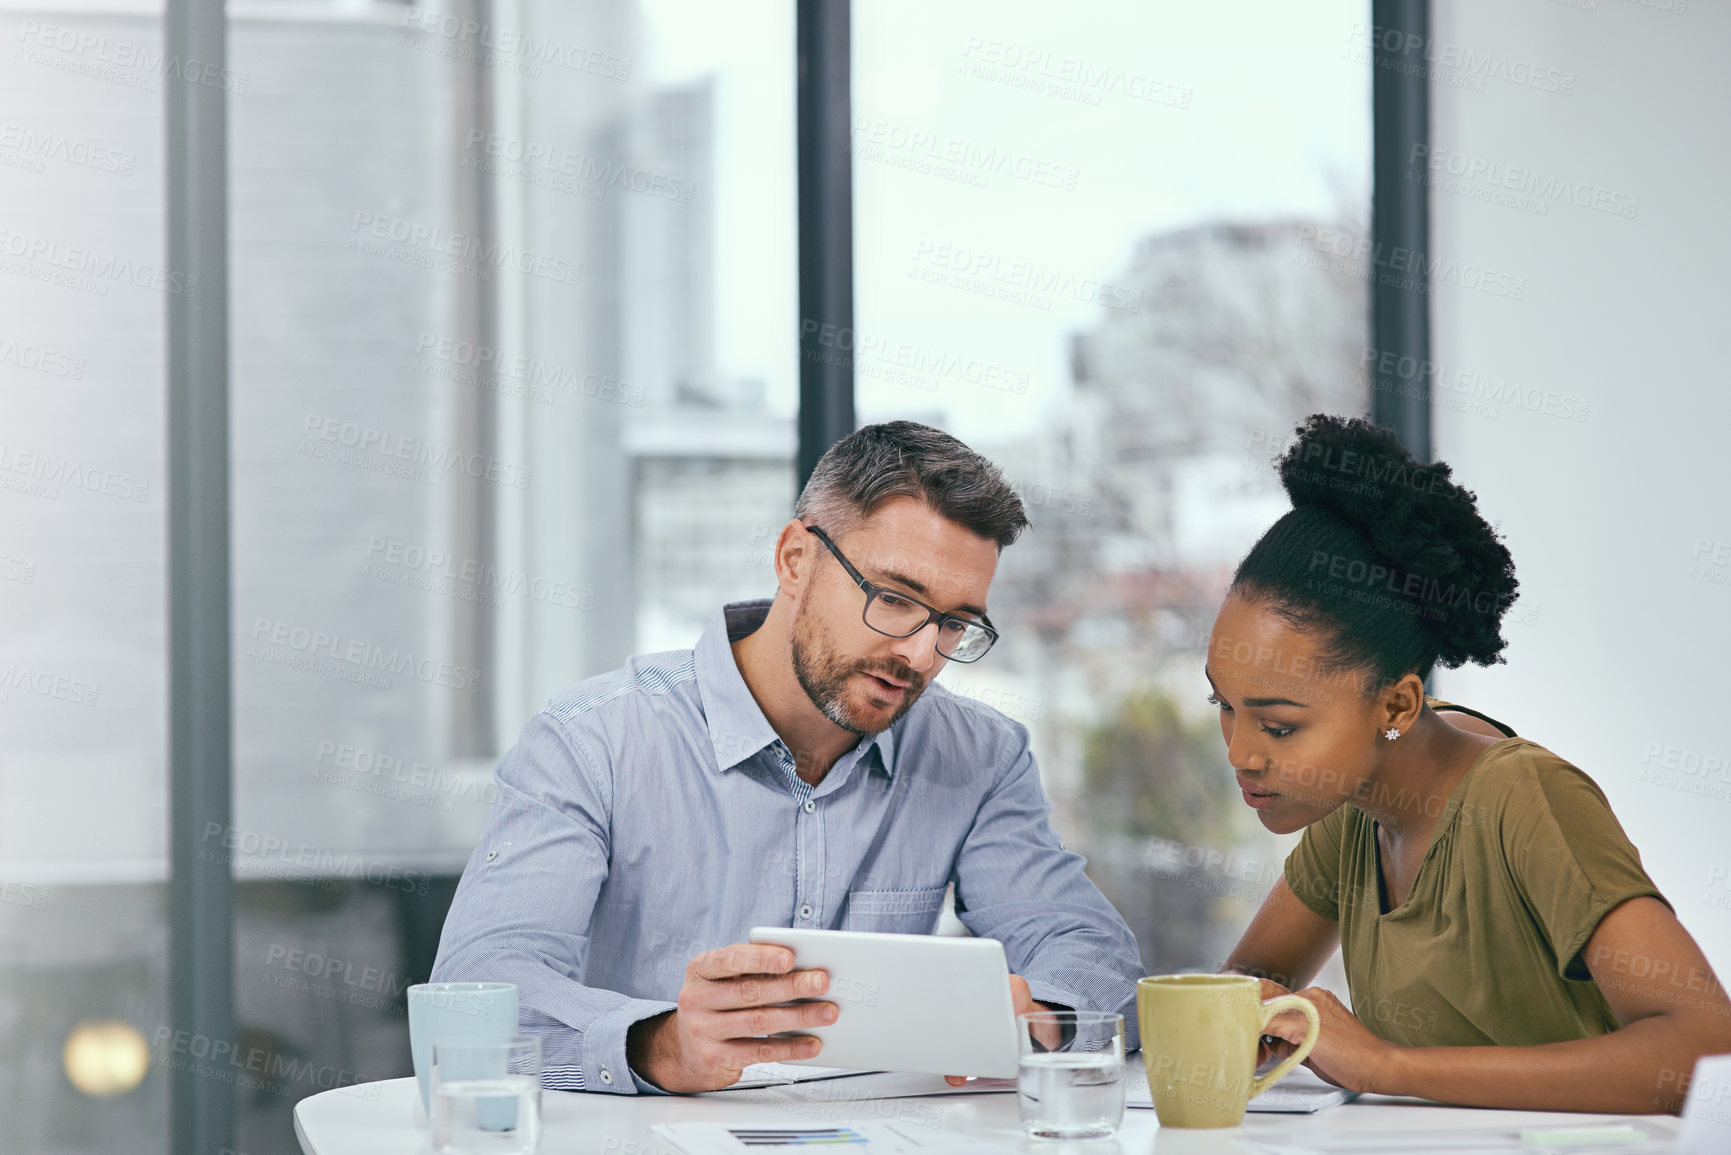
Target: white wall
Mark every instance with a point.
(1624, 634)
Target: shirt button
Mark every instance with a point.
(606, 1076)
(810, 806)
(805, 911)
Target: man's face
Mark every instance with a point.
(860, 679)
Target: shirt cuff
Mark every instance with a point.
(604, 1064)
(645, 1087)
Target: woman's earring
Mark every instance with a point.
(1391, 733)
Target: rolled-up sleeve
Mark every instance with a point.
(522, 911)
(1016, 883)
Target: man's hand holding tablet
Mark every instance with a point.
(730, 996)
(734, 995)
(913, 1002)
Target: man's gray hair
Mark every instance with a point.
(906, 459)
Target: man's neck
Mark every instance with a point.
(765, 661)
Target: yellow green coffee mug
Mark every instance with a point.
(1199, 1040)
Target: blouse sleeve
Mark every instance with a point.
(1570, 858)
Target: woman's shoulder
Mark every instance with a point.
(1521, 763)
(1518, 784)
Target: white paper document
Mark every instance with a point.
(841, 1084)
(781, 1074)
(857, 1086)
(1301, 1093)
(861, 1138)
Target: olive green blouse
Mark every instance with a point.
(1526, 859)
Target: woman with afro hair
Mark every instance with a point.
(1503, 945)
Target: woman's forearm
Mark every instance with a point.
(1286, 943)
(1642, 1068)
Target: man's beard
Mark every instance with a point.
(823, 675)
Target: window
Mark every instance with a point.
(83, 709)
(496, 424)
(496, 428)
(1087, 242)
(513, 381)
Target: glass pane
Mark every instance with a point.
(83, 705)
(481, 363)
(1097, 243)
(709, 301)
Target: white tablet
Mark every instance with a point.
(908, 1002)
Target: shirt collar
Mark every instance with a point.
(737, 728)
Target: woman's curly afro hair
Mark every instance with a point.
(1388, 559)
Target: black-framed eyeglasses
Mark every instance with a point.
(897, 615)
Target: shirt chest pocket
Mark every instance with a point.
(912, 911)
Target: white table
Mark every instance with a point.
(385, 1118)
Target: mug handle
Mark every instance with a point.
(1272, 1007)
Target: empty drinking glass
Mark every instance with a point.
(1076, 1093)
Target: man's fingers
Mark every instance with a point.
(760, 990)
(754, 1021)
(748, 1051)
(740, 958)
(955, 1080)
(726, 1062)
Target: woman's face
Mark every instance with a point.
(1302, 738)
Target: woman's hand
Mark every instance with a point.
(1347, 1054)
(1272, 1047)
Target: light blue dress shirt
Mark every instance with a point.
(650, 814)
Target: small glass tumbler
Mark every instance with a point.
(487, 1096)
(1076, 1093)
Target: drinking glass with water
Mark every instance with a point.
(1076, 1093)
(487, 1096)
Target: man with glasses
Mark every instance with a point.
(797, 767)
